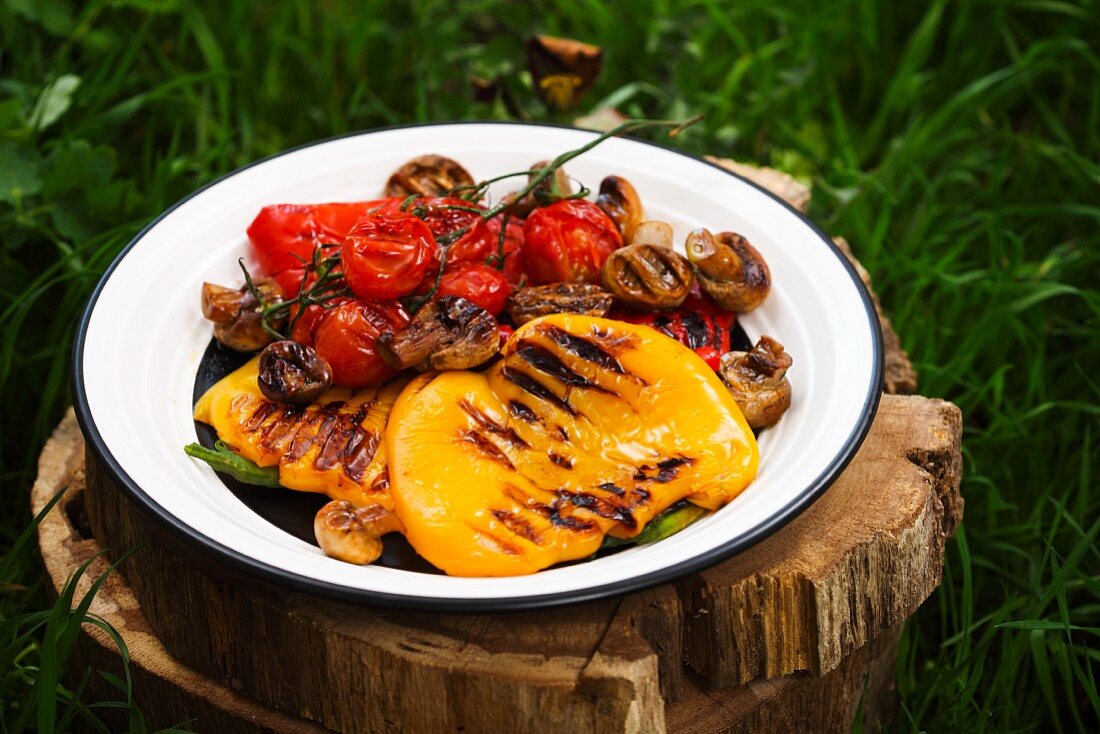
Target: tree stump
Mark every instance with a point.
(791, 635)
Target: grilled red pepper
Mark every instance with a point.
(697, 324)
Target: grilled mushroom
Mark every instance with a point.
(730, 270)
(353, 534)
(652, 233)
(293, 373)
(620, 202)
(552, 188)
(525, 304)
(758, 381)
(236, 314)
(448, 334)
(428, 175)
(647, 276)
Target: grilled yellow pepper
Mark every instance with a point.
(331, 446)
(587, 426)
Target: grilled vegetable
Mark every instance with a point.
(428, 175)
(330, 446)
(620, 202)
(568, 241)
(668, 523)
(353, 534)
(730, 270)
(697, 325)
(236, 314)
(529, 303)
(448, 334)
(586, 426)
(758, 381)
(223, 459)
(293, 373)
(658, 234)
(647, 276)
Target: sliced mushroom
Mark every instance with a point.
(654, 233)
(758, 381)
(354, 534)
(620, 202)
(547, 192)
(730, 270)
(448, 334)
(647, 276)
(238, 324)
(525, 304)
(428, 175)
(293, 373)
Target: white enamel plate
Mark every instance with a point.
(142, 337)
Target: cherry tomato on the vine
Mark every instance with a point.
(284, 235)
(445, 216)
(568, 242)
(346, 335)
(305, 326)
(514, 267)
(478, 283)
(386, 254)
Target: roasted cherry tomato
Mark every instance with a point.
(697, 324)
(445, 216)
(283, 235)
(305, 327)
(514, 266)
(478, 283)
(386, 254)
(290, 281)
(346, 334)
(568, 242)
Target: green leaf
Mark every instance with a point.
(20, 171)
(76, 165)
(55, 16)
(11, 114)
(54, 101)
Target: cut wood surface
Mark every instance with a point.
(803, 616)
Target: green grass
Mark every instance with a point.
(956, 145)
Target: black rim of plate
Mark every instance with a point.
(428, 603)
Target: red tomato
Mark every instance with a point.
(568, 242)
(282, 233)
(305, 328)
(346, 336)
(514, 266)
(290, 281)
(480, 284)
(386, 254)
(446, 215)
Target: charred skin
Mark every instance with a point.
(586, 426)
(331, 446)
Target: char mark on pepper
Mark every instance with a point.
(563, 461)
(486, 423)
(487, 448)
(603, 508)
(522, 411)
(584, 349)
(536, 388)
(547, 362)
(518, 525)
